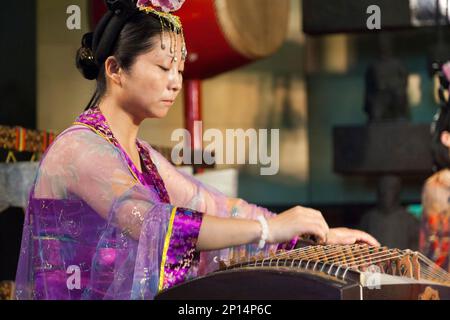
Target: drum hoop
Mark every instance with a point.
(234, 37)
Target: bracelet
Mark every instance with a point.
(264, 231)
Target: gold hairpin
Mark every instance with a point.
(175, 26)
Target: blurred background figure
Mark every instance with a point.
(435, 232)
(390, 222)
(386, 86)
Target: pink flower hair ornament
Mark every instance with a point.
(162, 5)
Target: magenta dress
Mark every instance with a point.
(98, 228)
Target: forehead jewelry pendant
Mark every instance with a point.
(183, 53)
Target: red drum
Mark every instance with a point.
(222, 35)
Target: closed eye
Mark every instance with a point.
(164, 69)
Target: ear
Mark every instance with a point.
(445, 138)
(113, 71)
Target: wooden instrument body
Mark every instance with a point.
(291, 284)
(261, 284)
(314, 272)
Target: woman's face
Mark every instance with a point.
(150, 87)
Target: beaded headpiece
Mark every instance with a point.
(163, 9)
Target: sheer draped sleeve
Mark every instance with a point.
(93, 232)
(186, 191)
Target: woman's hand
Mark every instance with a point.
(346, 236)
(296, 222)
(219, 233)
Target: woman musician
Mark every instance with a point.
(111, 218)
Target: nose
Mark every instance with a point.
(175, 81)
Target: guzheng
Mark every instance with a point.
(353, 272)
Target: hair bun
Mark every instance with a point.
(119, 6)
(85, 59)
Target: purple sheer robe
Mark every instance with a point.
(98, 228)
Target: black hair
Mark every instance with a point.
(440, 152)
(124, 35)
(441, 123)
